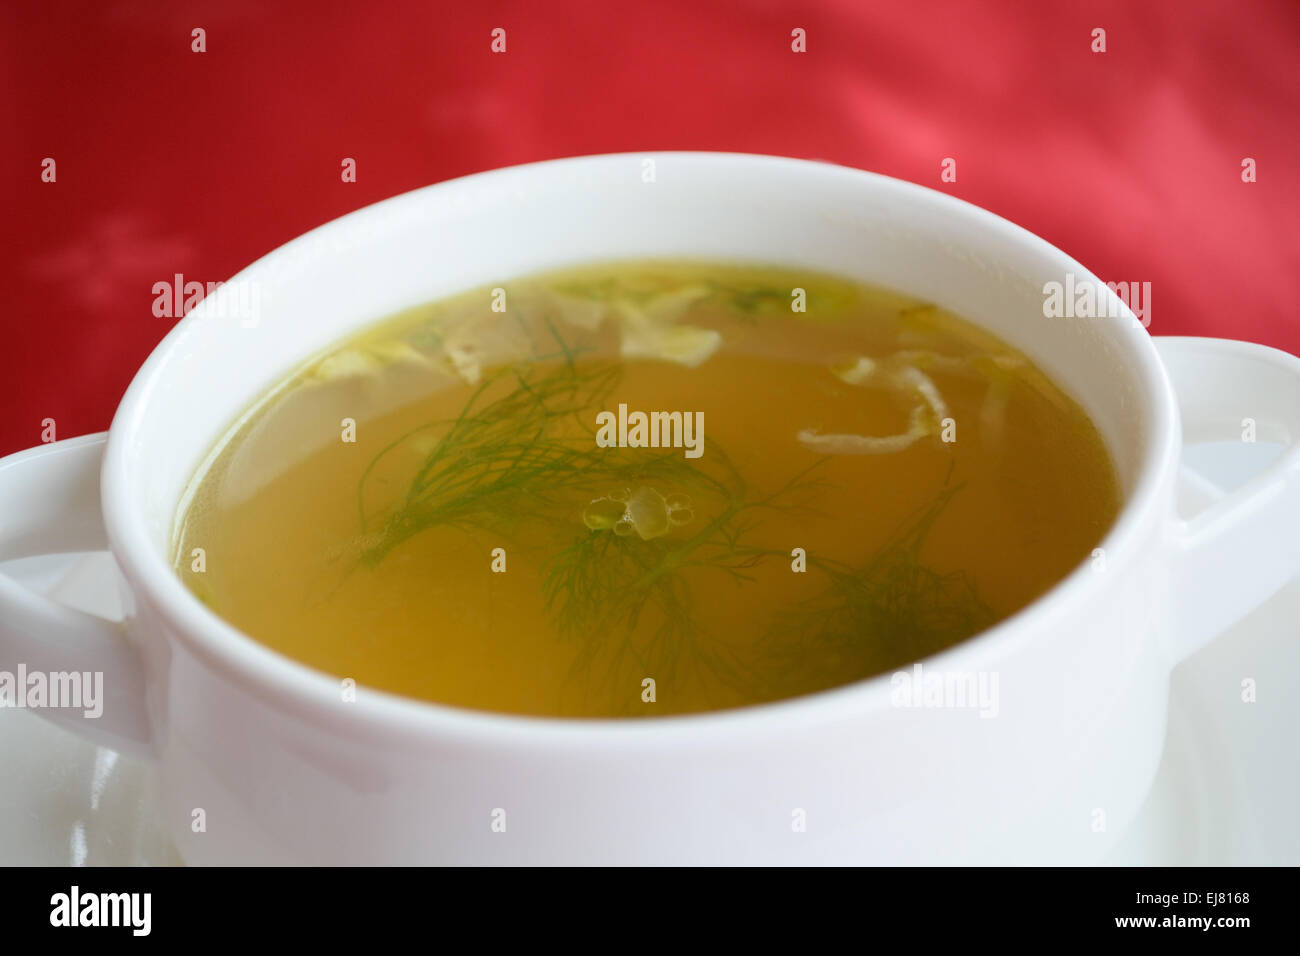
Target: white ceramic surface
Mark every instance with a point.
(284, 770)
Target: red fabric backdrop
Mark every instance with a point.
(174, 161)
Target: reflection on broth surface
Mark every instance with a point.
(638, 489)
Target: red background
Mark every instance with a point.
(173, 161)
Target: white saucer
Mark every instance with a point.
(65, 802)
(1225, 793)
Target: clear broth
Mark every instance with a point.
(470, 542)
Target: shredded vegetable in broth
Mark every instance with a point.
(638, 489)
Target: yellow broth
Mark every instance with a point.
(432, 507)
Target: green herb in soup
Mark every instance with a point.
(638, 489)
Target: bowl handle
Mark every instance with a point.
(1231, 557)
(49, 504)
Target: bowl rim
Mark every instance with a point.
(286, 684)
